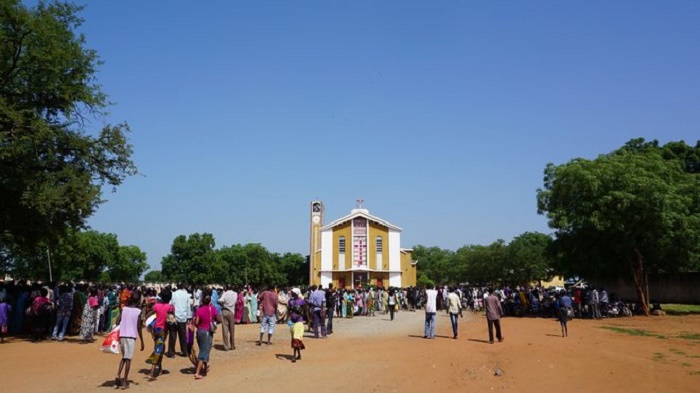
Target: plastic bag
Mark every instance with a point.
(150, 323)
(111, 342)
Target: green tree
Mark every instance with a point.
(193, 260)
(153, 276)
(529, 258)
(632, 212)
(236, 262)
(52, 167)
(129, 264)
(484, 264)
(436, 263)
(84, 255)
(294, 268)
(423, 281)
(253, 264)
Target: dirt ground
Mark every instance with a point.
(374, 354)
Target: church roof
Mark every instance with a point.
(360, 213)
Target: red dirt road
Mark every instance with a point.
(373, 354)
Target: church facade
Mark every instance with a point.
(357, 250)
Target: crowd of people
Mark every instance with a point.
(587, 303)
(177, 316)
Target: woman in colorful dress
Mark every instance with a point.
(296, 322)
(370, 302)
(253, 306)
(113, 306)
(87, 325)
(161, 309)
(349, 304)
(240, 307)
(282, 304)
(246, 306)
(41, 311)
(76, 318)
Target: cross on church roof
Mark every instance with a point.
(360, 201)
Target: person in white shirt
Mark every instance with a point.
(181, 303)
(197, 298)
(228, 310)
(430, 310)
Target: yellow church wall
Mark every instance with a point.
(345, 277)
(374, 231)
(342, 230)
(408, 269)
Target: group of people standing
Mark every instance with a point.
(56, 310)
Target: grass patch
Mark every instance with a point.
(686, 364)
(689, 336)
(632, 332)
(646, 333)
(658, 357)
(677, 351)
(681, 309)
(694, 373)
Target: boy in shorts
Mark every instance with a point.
(129, 324)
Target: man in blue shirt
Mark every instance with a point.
(318, 303)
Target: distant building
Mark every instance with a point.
(357, 250)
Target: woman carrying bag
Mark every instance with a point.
(205, 320)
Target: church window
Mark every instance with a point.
(379, 244)
(341, 245)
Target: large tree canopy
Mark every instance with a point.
(194, 260)
(52, 167)
(527, 258)
(634, 211)
(82, 255)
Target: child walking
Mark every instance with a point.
(129, 325)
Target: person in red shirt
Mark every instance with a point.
(577, 302)
(161, 309)
(268, 301)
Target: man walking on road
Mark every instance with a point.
(430, 309)
(494, 312)
(454, 308)
(228, 310)
(178, 330)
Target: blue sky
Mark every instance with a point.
(441, 115)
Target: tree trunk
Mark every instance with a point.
(639, 276)
(646, 285)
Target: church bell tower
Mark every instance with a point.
(316, 217)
